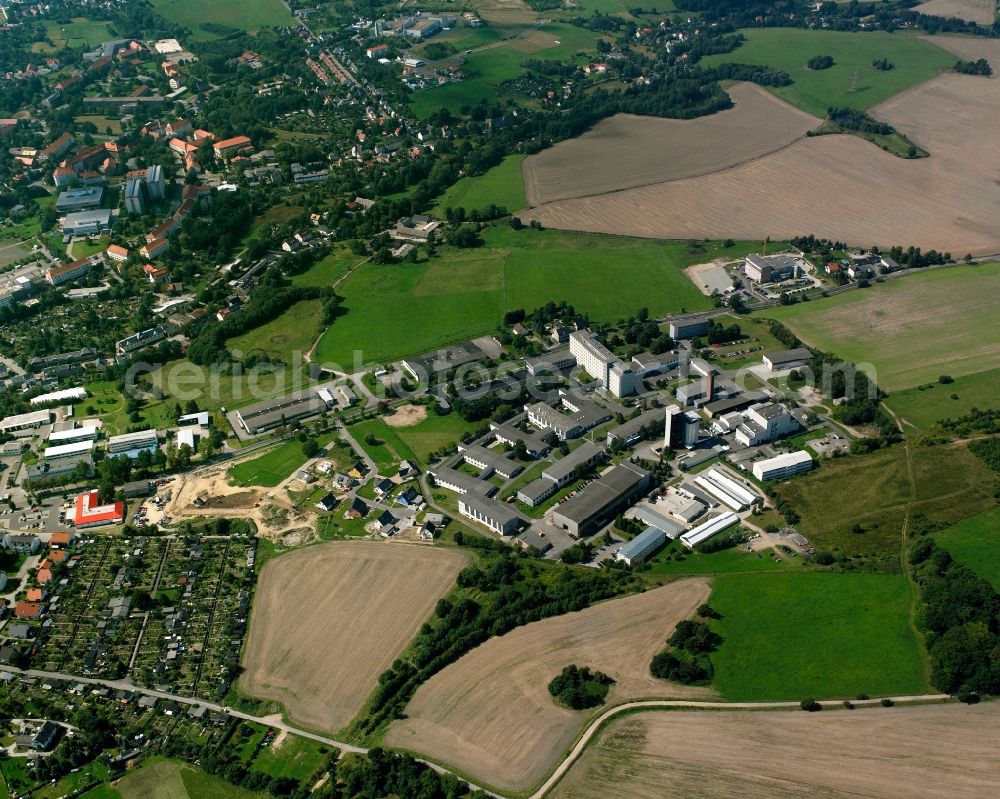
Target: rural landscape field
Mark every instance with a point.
(311, 644)
(874, 752)
(490, 714)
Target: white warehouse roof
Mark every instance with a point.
(78, 393)
(66, 450)
(703, 532)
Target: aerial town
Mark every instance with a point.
(499, 399)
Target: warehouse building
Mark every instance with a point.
(495, 515)
(712, 527)
(726, 490)
(268, 414)
(770, 268)
(688, 328)
(76, 449)
(73, 435)
(641, 547)
(787, 359)
(598, 502)
(783, 465)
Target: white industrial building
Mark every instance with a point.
(783, 465)
(66, 395)
(712, 527)
(618, 377)
(765, 422)
(726, 490)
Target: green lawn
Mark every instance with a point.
(281, 339)
(385, 449)
(106, 403)
(502, 185)
(902, 327)
(79, 32)
(324, 273)
(621, 7)
(160, 778)
(975, 542)
(245, 15)
(728, 561)
(873, 492)
(728, 356)
(419, 440)
(405, 309)
(214, 390)
(852, 82)
(793, 635)
(487, 69)
(296, 757)
(924, 406)
(270, 468)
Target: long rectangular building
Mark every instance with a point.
(268, 414)
(496, 515)
(598, 502)
(131, 444)
(706, 530)
(726, 490)
(24, 421)
(783, 465)
(490, 460)
(86, 433)
(641, 547)
(73, 450)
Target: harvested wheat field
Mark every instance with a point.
(840, 187)
(626, 151)
(981, 12)
(491, 715)
(329, 619)
(926, 751)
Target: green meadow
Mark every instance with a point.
(791, 635)
(975, 542)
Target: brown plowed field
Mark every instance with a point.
(328, 619)
(922, 752)
(626, 151)
(979, 11)
(839, 187)
(491, 715)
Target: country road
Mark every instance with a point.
(564, 766)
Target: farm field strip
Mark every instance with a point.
(868, 752)
(490, 714)
(944, 202)
(982, 12)
(329, 619)
(626, 151)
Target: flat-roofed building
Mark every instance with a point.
(706, 530)
(86, 223)
(25, 421)
(641, 547)
(268, 414)
(534, 442)
(497, 516)
(64, 395)
(783, 465)
(597, 503)
(72, 450)
(86, 433)
(135, 202)
(490, 460)
(79, 199)
(726, 490)
(787, 359)
(131, 444)
(564, 470)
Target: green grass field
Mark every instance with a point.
(214, 390)
(80, 32)
(903, 328)
(324, 273)
(728, 561)
(246, 15)
(487, 69)
(874, 491)
(108, 405)
(502, 185)
(419, 440)
(292, 332)
(160, 778)
(793, 635)
(386, 449)
(975, 542)
(924, 406)
(405, 309)
(274, 465)
(296, 757)
(852, 82)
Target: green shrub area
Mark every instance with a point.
(580, 688)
